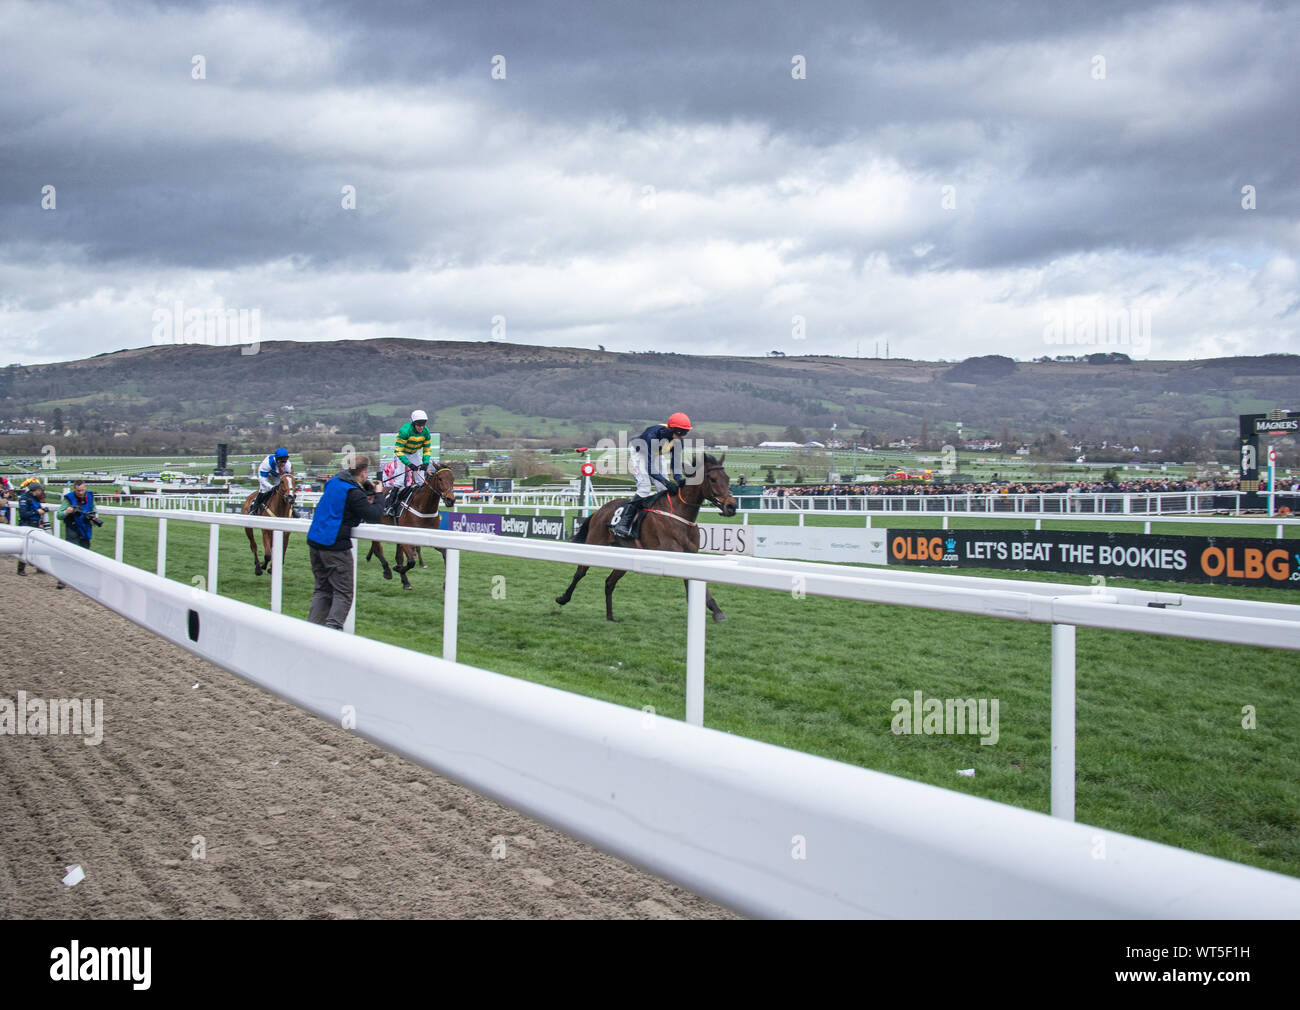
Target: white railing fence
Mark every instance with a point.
(765, 830)
(1071, 506)
(1064, 607)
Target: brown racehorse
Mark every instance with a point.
(420, 511)
(669, 525)
(280, 506)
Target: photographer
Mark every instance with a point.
(77, 511)
(33, 510)
(347, 501)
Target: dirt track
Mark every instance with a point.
(300, 819)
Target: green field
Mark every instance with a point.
(1161, 749)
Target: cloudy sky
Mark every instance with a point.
(953, 178)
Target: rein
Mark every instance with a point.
(710, 499)
(408, 507)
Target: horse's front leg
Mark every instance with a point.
(252, 546)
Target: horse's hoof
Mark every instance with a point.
(718, 615)
(561, 600)
(388, 574)
(408, 587)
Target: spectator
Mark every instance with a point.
(77, 510)
(32, 511)
(347, 501)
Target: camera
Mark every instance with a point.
(96, 520)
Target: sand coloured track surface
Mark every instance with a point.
(300, 819)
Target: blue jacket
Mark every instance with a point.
(342, 506)
(79, 524)
(29, 510)
(667, 447)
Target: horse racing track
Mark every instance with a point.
(292, 816)
(1162, 750)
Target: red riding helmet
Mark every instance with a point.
(681, 421)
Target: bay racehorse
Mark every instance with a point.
(668, 525)
(278, 505)
(420, 510)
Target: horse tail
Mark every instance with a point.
(580, 534)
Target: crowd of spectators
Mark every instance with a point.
(1149, 485)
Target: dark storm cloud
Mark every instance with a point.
(649, 173)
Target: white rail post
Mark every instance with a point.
(119, 533)
(945, 521)
(1038, 524)
(1146, 526)
(277, 571)
(450, 603)
(1063, 697)
(350, 622)
(696, 592)
(162, 548)
(214, 541)
(800, 518)
(1279, 531)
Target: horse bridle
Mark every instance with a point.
(406, 505)
(713, 499)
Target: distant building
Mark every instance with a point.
(779, 445)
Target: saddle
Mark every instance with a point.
(642, 506)
(396, 496)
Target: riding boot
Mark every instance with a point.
(623, 531)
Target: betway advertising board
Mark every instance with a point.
(1242, 561)
(534, 527)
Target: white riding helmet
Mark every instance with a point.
(419, 415)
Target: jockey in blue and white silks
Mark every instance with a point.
(269, 473)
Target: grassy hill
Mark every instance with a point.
(496, 390)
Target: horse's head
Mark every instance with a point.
(717, 485)
(287, 489)
(444, 481)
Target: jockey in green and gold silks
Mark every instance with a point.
(414, 445)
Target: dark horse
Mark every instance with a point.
(279, 505)
(669, 525)
(421, 511)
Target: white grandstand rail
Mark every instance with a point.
(716, 813)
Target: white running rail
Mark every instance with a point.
(1064, 607)
(722, 815)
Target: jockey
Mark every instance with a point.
(269, 472)
(653, 472)
(413, 444)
